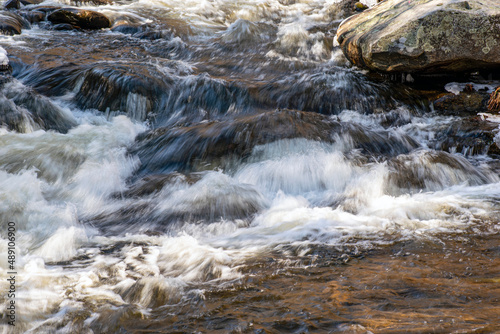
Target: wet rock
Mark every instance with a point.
(31, 2)
(79, 18)
(220, 144)
(141, 90)
(181, 148)
(202, 97)
(154, 183)
(127, 28)
(131, 89)
(176, 199)
(469, 136)
(139, 30)
(63, 26)
(341, 10)
(331, 92)
(12, 23)
(379, 143)
(16, 4)
(465, 103)
(24, 110)
(426, 36)
(33, 16)
(424, 170)
(494, 150)
(12, 4)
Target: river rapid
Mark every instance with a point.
(218, 167)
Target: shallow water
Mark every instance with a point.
(223, 169)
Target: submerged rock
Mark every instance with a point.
(16, 4)
(33, 16)
(140, 30)
(108, 87)
(62, 26)
(220, 144)
(160, 201)
(186, 147)
(424, 170)
(425, 36)
(24, 110)
(469, 136)
(80, 18)
(332, 91)
(11, 23)
(152, 184)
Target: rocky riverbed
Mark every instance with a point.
(246, 167)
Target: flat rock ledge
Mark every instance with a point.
(424, 36)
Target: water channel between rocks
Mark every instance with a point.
(217, 166)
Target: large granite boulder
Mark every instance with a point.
(424, 36)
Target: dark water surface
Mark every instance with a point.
(217, 166)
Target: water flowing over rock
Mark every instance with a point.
(222, 143)
(425, 36)
(431, 171)
(469, 136)
(24, 110)
(218, 166)
(11, 23)
(182, 148)
(105, 87)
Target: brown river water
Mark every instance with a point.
(219, 167)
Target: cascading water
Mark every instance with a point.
(217, 166)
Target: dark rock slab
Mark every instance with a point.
(214, 144)
(79, 18)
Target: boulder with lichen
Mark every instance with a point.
(424, 36)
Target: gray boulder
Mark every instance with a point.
(424, 36)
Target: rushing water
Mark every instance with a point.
(218, 167)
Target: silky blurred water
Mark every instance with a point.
(224, 169)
